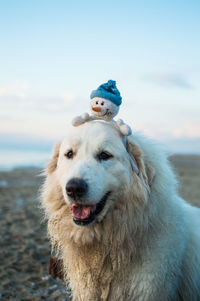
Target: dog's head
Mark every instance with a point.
(99, 174)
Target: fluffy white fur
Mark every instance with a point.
(145, 244)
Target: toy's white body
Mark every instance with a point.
(103, 109)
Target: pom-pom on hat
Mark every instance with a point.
(108, 91)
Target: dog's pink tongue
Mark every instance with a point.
(82, 211)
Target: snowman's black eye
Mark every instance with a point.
(102, 103)
(97, 102)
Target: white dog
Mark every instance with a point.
(115, 216)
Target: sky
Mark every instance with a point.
(54, 53)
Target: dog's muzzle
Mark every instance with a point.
(86, 214)
(76, 188)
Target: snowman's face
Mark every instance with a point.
(103, 108)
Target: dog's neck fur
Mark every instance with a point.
(89, 269)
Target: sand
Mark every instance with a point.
(25, 250)
(24, 247)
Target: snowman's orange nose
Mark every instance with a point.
(96, 109)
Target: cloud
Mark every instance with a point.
(186, 130)
(184, 146)
(170, 80)
(14, 96)
(64, 101)
(41, 115)
(46, 104)
(17, 89)
(190, 130)
(61, 103)
(68, 98)
(25, 141)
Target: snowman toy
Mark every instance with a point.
(104, 104)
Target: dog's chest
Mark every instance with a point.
(95, 276)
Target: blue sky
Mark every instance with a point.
(53, 53)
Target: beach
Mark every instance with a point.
(25, 249)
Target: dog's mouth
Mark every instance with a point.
(86, 214)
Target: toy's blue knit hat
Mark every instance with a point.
(108, 91)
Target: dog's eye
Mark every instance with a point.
(104, 156)
(97, 102)
(69, 154)
(102, 103)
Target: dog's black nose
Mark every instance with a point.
(76, 188)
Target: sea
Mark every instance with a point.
(37, 155)
(17, 158)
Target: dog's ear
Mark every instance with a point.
(135, 156)
(142, 166)
(53, 162)
(150, 173)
